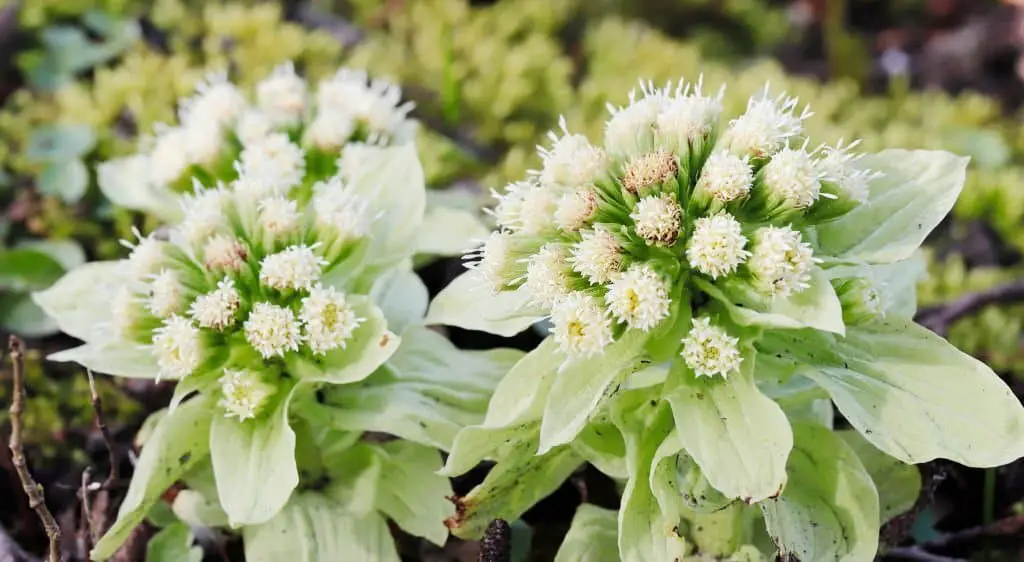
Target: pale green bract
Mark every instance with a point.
(284, 305)
(717, 289)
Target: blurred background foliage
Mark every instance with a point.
(91, 77)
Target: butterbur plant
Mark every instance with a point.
(714, 286)
(285, 131)
(287, 312)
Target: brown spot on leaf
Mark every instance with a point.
(384, 340)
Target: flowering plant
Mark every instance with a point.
(289, 133)
(285, 306)
(712, 292)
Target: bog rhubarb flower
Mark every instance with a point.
(220, 123)
(715, 292)
(698, 205)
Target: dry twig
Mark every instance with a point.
(33, 490)
(939, 318)
(1012, 526)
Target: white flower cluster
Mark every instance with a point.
(239, 270)
(346, 108)
(604, 237)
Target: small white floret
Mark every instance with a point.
(580, 325)
(639, 297)
(709, 350)
(717, 246)
(272, 330)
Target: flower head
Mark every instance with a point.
(282, 96)
(598, 256)
(279, 216)
(275, 160)
(792, 177)
(375, 105)
(725, 177)
(217, 309)
(224, 253)
(571, 161)
(630, 129)
(717, 246)
(658, 219)
(648, 170)
(780, 262)
(766, 126)
(688, 116)
(216, 101)
(639, 297)
(166, 294)
(178, 347)
(580, 325)
(575, 209)
(243, 394)
(709, 350)
(495, 260)
(548, 276)
(272, 330)
(328, 320)
(297, 267)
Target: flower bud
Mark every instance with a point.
(861, 299)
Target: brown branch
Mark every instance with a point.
(36, 498)
(918, 554)
(940, 318)
(101, 423)
(1012, 526)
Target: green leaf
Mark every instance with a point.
(645, 533)
(817, 306)
(355, 478)
(519, 480)
(719, 533)
(447, 231)
(20, 315)
(415, 496)
(60, 143)
(476, 443)
(178, 442)
(173, 544)
(68, 253)
(829, 510)
(918, 189)
(402, 297)
(426, 392)
(391, 181)
(592, 537)
(121, 182)
(70, 301)
(370, 346)
(468, 303)
(120, 359)
(196, 509)
(739, 437)
(254, 463)
(312, 528)
(522, 394)
(915, 396)
(581, 384)
(27, 270)
(601, 444)
(898, 483)
(67, 180)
